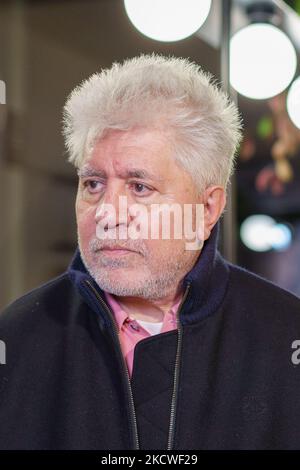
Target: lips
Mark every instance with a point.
(115, 251)
(114, 248)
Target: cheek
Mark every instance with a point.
(85, 216)
(161, 250)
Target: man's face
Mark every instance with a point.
(138, 165)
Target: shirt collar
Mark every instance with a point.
(120, 314)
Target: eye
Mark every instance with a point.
(141, 189)
(93, 186)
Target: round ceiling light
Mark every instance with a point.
(293, 102)
(263, 61)
(167, 20)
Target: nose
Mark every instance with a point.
(112, 211)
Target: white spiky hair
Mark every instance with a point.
(154, 90)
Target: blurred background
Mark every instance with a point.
(49, 46)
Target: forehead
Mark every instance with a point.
(138, 153)
(125, 172)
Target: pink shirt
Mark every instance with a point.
(131, 332)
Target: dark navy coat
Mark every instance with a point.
(226, 379)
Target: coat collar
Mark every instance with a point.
(207, 282)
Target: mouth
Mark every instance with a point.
(116, 251)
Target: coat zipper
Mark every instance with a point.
(124, 366)
(176, 375)
(171, 433)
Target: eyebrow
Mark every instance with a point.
(139, 173)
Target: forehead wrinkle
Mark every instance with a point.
(139, 173)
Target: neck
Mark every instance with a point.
(148, 309)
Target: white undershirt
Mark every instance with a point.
(152, 327)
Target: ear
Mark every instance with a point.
(214, 200)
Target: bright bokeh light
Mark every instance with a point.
(255, 232)
(262, 233)
(293, 102)
(167, 20)
(263, 61)
(280, 237)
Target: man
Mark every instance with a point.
(151, 342)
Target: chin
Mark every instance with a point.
(121, 277)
